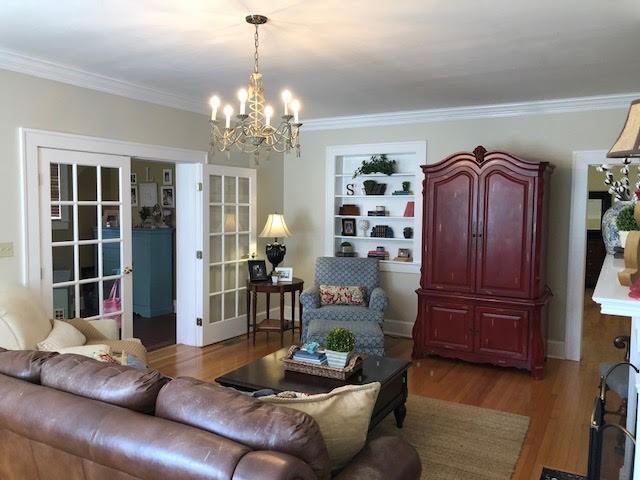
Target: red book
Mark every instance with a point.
(409, 210)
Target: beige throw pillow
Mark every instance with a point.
(63, 335)
(343, 416)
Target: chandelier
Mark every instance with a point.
(254, 132)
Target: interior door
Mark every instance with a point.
(505, 233)
(451, 202)
(229, 227)
(85, 219)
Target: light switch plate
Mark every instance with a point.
(6, 249)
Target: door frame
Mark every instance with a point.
(582, 159)
(30, 140)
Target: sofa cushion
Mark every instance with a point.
(23, 321)
(342, 295)
(63, 335)
(343, 415)
(91, 351)
(244, 419)
(23, 364)
(111, 383)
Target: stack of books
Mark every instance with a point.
(382, 231)
(380, 253)
(315, 358)
(402, 192)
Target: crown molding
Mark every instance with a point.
(37, 67)
(565, 105)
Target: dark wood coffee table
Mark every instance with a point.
(268, 372)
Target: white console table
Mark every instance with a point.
(614, 300)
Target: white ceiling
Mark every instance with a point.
(343, 57)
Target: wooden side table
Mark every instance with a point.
(269, 325)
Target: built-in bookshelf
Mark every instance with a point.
(343, 189)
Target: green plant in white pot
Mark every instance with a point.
(626, 222)
(339, 344)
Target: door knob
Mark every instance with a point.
(128, 270)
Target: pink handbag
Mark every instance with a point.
(113, 304)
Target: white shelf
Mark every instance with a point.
(375, 175)
(375, 196)
(377, 239)
(380, 217)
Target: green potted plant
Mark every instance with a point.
(339, 344)
(376, 164)
(275, 277)
(626, 223)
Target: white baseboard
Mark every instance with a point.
(555, 349)
(396, 328)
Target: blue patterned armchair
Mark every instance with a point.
(364, 321)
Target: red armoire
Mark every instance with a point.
(483, 295)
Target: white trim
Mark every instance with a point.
(419, 148)
(397, 328)
(37, 67)
(578, 247)
(555, 349)
(563, 105)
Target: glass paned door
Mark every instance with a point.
(230, 239)
(85, 216)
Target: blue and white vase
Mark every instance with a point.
(609, 229)
(337, 359)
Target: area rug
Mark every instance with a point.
(457, 441)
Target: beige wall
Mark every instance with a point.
(551, 137)
(43, 104)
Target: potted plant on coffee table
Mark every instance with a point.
(339, 344)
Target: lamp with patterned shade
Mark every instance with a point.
(628, 143)
(275, 227)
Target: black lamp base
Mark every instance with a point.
(275, 254)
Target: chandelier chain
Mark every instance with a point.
(255, 56)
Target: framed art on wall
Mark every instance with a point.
(148, 194)
(167, 176)
(167, 195)
(134, 178)
(134, 195)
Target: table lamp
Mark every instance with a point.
(275, 227)
(627, 146)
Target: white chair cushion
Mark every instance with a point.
(63, 335)
(23, 321)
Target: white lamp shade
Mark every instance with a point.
(628, 144)
(275, 227)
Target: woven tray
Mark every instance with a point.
(354, 365)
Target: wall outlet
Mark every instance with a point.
(6, 249)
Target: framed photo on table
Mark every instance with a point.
(285, 274)
(257, 270)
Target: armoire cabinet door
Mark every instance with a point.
(449, 251)
(501, 332)
(505, 223)
(449, 326)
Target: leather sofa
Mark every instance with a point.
(65, 416)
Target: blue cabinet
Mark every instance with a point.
(152, 271)
(152, 258)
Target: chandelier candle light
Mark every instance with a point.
(253, 132)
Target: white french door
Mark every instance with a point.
(229, 227)
(85, 228)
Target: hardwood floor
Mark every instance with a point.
(559, 405)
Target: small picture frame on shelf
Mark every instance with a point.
(349, 227)
(285, 274)
(257, 270)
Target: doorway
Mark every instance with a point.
(153, 207)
